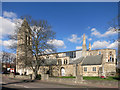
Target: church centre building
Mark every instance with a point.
(84, 62)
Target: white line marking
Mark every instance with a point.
(20, 85)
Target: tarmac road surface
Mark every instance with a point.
(17, 84)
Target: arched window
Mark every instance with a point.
(111, 58)
(29, 40)
(26, 39)
(64, 61)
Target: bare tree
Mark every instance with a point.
(35, 36)
(8, 58)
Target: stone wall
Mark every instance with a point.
(110, 69)
(16, 76)
(90, 71)
(78, 81)
(45, 77)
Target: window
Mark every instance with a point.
(65, 61)
(26, 39)
(59, 62)
(94, 68)
(99, 52)
(85, 69)
(29, 40)
(110, 58)
(71, 54)
(57, 56)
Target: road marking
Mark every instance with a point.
(26, 87)
(20, 85)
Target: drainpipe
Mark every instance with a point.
(76, 69)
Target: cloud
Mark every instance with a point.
(75, 39)
(89, 39)
(47, 51)
(78, 47)
(7, 26)
(100, 44)
(9, 14)
(57, 43)
(113, 45)
(105, 44)
(7, 43)
(95, 32)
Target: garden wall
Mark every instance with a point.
(78, 81)
(16, 76)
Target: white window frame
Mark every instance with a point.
(94, 69)
(85, 69)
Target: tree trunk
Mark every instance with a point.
(34, 75)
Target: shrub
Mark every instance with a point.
(38, 77)
(70, 75)
(17, 73)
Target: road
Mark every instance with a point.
(18, 84)
(15, 84)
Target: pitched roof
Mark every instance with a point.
(76, 61)
(92, 60)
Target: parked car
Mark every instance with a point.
(5, 72)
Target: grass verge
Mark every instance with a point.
(98, 78)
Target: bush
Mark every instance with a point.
(70, 75)
(17, 73)
(38, 77)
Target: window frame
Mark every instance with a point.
(85, 69)
(94, 69)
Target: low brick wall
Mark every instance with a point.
(16, 76)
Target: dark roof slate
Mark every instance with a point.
(79, 60)
(92, 60)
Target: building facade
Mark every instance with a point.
(86, 62)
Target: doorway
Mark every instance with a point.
(62, 71)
